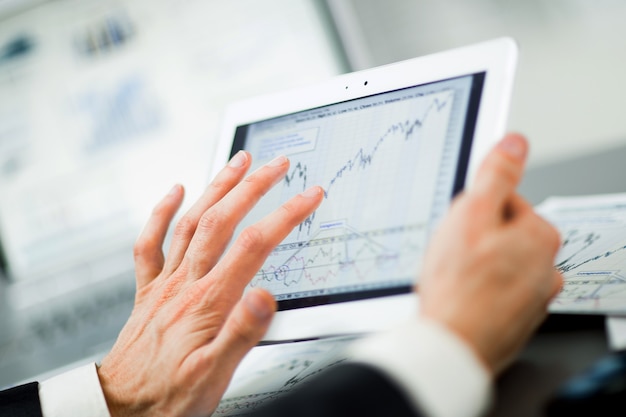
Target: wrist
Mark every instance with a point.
(121, 402)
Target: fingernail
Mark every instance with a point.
(238, 160)
(257, 306)
(278, 161)
(311, 192)
(514, 146)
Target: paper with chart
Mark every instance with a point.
(268, 372)
(592, 257)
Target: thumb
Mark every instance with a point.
(245, 326)
(499, 175)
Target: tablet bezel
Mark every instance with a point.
(497, 59)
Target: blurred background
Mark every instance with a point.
(104, 105)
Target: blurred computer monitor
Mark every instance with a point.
(104, 106)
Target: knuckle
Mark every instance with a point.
(259, 181)
(212, 221)
(288, 211)
(142, 246)
(251, 239)
(220, 186)
(251, 179)
(255, 189)
(184, 228)
(243, 331)
(193, 295)
(159, 210)
(507, 171)
(499, 169)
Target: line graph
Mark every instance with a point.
(585, 250)
(271, 371)
(376, 160)
(302, 369)
(298, 172)
(342, 255)
(362, 158)
(591, 262)
(592, 257)
(405, 130)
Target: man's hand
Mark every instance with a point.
(489, 272)
(190, 326)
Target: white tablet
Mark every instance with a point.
(391, 146)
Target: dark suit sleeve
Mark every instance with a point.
(21, 401)
(344, 390)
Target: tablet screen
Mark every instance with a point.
(389, 165)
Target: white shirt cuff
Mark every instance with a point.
(76, 393)
(440, 374)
